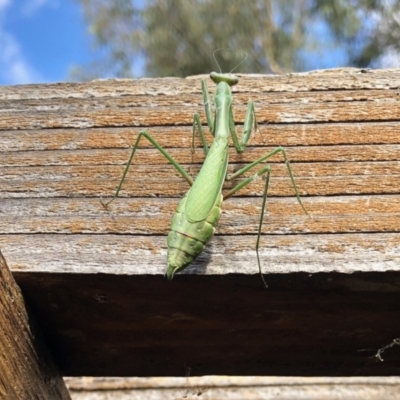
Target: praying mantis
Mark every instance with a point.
(198, 212)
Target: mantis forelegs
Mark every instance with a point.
(196, 122)
(249, 125)
(210, 121)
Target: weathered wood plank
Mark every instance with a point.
(333, 277)
(350, 79)
(385, 132)
(119, 115)
(149, 156)
(151, 216)
(95, 105)
(27, 369)
(145, 255)
(231, 387)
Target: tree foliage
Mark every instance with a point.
(178, 37)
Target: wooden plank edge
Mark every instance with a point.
(27, 369)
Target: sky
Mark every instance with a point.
(41, 40)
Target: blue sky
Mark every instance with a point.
(40, 40)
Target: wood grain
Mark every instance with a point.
(228, 387)
(27, 369)
(64, 146)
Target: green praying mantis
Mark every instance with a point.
(198, 212)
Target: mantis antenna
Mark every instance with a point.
(231, 50)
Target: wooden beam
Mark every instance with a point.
(27, 369)
(228, 387)
(95, 277)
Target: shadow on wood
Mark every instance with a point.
(304, 325)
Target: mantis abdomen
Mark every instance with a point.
(187, 239)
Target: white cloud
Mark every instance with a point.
(389, 59)
(20, 72)
(4, 4)
(13, 67)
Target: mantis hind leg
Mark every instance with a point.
(260, 173)
(265, 170)
(164, 152)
